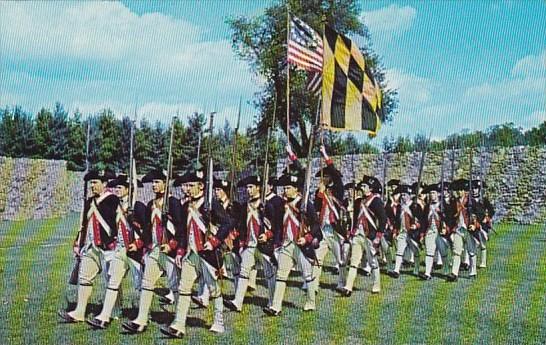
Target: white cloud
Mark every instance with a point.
(95, 55)
(412, 90)
(90, 31)
(389, 21)
(516, 90)
(531, 66)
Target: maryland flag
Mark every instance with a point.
(351, 98)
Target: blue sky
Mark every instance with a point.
(457, 64)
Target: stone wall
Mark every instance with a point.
(515, 176)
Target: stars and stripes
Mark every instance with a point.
(305, 50)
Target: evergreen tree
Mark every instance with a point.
(144, 147)
(108, 140)
(59, 132)
(44, 134)
(76, 143)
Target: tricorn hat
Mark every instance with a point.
(103, 175)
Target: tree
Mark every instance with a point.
(44, 134)
(59, 132)
(108, 140)
(159, 146)
(144, 147)
(261, 41)
(76, 143)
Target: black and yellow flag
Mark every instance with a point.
(351, 98)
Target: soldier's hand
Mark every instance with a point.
(413, 227)
(323, 151)
(262, 238)
(300, 241)
(178, 261)
(164, 248)
(208, 246)
(76, 250)
(132, 248)
(321, 187)
(471, 227)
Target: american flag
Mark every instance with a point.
(305, 51)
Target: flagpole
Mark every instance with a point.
(287, 75)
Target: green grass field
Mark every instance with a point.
(506, 304)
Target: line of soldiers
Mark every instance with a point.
(195, 241)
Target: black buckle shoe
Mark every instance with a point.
(424, 276)
(66, 317)
(344, 292)
(97, 324)
(164, 300)
(230, 305)
(133, 327)
(171, 332)
(393, 274)
(452, 278)
(198, 301)
(271, 312)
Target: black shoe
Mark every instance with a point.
(424, 276)
(344, 292)
(230, 305)
(164, 300)
(251, 289)
(171, 332)
(452, 278)
(133, 327)
(198, 301)
(66, 317)
(97, 324)
(465, 267)
(340, 289)
(472, 276)
(271, 312)
(393, 274)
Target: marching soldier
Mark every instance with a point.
(161, 239)
(256, 234)
(297, 240)
(432, 225)
(332, 218)
(392, 229)
(462, 223)
(96, 244)
(127, 256)
(205, 228)
(485, 213)
(367, 232)
(410, 235)
(231, 255)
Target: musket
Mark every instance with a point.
(165, 207)
(384, 195)
(208, 188)
(80, 238)
(234, 154)
(442, 182)
(470, 201)
(266, 163)
(422, 165)
(132, 169)
(199, 146)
